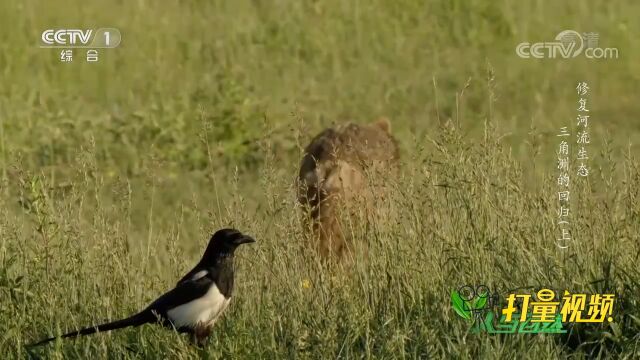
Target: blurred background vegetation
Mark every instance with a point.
(198, 120)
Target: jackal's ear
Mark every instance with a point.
(384, 124)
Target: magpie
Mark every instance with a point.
(197, 300)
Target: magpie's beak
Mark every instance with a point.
(244, 239)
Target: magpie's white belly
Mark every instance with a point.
(204, 310)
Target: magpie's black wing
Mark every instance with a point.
(191, 274)
(183, 293)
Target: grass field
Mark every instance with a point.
(114, 174)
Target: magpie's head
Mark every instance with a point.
(225, 241)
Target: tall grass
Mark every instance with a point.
(114, 174)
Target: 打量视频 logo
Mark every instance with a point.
(542, 312)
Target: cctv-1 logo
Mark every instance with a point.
(101, 38)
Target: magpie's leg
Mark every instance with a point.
(201, 335)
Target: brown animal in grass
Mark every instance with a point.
(340, 174)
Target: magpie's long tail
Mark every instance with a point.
(138, 319)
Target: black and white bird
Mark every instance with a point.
(198, 299)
